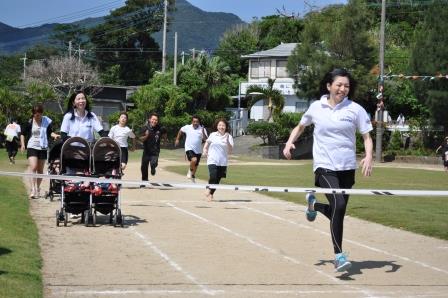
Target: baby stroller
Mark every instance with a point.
(75, 196)
(54, 168)
(106, 197)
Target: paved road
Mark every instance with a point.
(175, 244)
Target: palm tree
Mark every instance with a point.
(274, 98)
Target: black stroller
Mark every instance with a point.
(54, 168)
(106, 197)
(75, 196)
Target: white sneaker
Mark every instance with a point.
(189, 174)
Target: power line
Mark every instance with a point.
(77, 14)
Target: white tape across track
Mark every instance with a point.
(169, 185)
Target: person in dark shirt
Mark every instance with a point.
(444, 150)
(151, 135)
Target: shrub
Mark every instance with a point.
(265, 130)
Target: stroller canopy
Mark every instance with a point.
(106, 157)
(75, 155)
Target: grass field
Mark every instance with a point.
(20, 260)
(423, 215)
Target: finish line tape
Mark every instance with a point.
(160, 185)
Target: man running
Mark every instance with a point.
(195, 136)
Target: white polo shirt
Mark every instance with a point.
(334, 145)
(121, 134)
(193, 140)
(81, 126)
(217, 151)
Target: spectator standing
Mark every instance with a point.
(35, 138)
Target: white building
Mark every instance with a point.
(272, 64)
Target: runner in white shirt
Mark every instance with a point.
(218, 147)
(78, 121)
(336, 120)
(195, 136)
(12, 133)
(120, 134)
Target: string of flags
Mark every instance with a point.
(414, 77)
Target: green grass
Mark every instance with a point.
(20, 260)
(423, 215)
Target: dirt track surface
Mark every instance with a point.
(175, 244)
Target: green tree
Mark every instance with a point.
(238, 41)
(272, 97)
(63, 34)
(262, 34)
(125, 39)
(429, 55)
(203, 79)
(336, 37)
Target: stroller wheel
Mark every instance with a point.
(51, 196)
(86, 218)
(65, 218)
(93, 218)
(57, 218)
(83, 217)
(111, 217)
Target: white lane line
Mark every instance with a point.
(269, 249)
(118, 292)
(172, 263)
(146, 201)
(347, 240)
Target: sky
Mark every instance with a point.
(31, 13)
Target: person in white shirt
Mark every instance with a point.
(217, 148)
(336, 119)
(195, 136)
(36, 136)
(12, 133)
(79, 121)
(120, 134)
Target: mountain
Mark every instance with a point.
(195, 29)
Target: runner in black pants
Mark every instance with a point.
(336, 119)
(151, 135)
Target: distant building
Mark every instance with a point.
(272, 64)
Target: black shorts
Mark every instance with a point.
(346, 178)
(190, 154)
(124, 155)
(40, 154)
(217, 171)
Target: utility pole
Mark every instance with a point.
(183, 57)
(165, 4)
(194, 53)
(24, 66)
(79, 54)
(70, 49)
(175, 59)
(380, 97)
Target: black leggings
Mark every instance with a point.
(11, 148)
(335, 211)
(148, 160)
(216, 173)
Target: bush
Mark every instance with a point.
(265, 130)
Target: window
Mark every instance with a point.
(301, 106)
(281, 69)
(260, 69)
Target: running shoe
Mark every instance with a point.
(189, 174)
(193, 179)
(341, 263)
(153, 171)
(310, 212)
